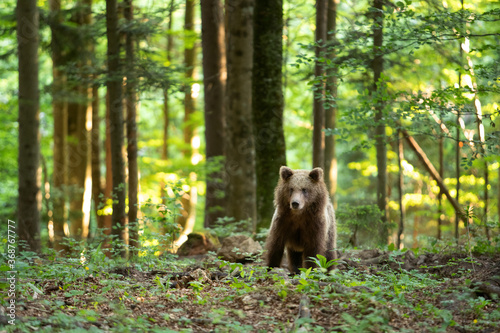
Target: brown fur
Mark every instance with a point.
(304, 220)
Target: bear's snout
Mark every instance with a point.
(296, 201)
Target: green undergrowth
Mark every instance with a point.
(91, 292)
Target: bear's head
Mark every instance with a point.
(301, 190)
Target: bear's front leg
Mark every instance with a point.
(275, 247)
(294, 260)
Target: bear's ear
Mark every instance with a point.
(285, 172)
(316, 174)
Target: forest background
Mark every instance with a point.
(422, 72)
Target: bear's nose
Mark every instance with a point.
(295, 205)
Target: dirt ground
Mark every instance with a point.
(369, 291)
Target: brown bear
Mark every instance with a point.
(303, 221)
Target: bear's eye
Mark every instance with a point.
(291, 190)
(304, 191)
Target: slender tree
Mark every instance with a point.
(441, 174)
(166, 107)
(95, 139)
(114, 85)
(240, 148)
(331, 105)
(267, 104)
(60, 112)
(187, 218)
(319, 86)
(401, 191)
(29, 199)
(214, 82)
(380, 136)
(131, 106)
(79, 114)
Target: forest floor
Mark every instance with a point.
(368, 291)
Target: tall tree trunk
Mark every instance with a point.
(114, 85)
(319, 86)
(440, 195)
(108, 187)
(95, 138)
(60, 114)
(166, 111)
(331, 105)
(457, 173)
(401, 191)
(88, 50)
(188, 200)
(380, 137)
(77, 164)
(166, 108)
(131, 100)
(29, 199)
(214, 82)
(240, 147)
(267, 104)
(78, 134)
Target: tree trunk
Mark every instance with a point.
(29, 199)
(166, 111)
(188, 200)
(133, 171)
(60, 114)
(267, 104)
(440, 195)
(240, 148)
(97, 188)
(78, 134)
(401, 192)
(319, 86)
(108, 188)
(214, 82)
(380, 137)
(77, 164)
(331, 105)
(114, 85)
(457, 173)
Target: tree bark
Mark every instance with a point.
(95, 138)
(440, 195)
(380, 137)
(189, 199)
(319, 87)
(214, 81)
(166, 109)
(77, 164)
(131, 101)
(29, 199)
(78, 134)
(331, 105)
(401, 192)
(267, 104)
(60, 114)
(114, 85)
(240, 148)
(457, 173)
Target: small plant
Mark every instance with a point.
(323, 263)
